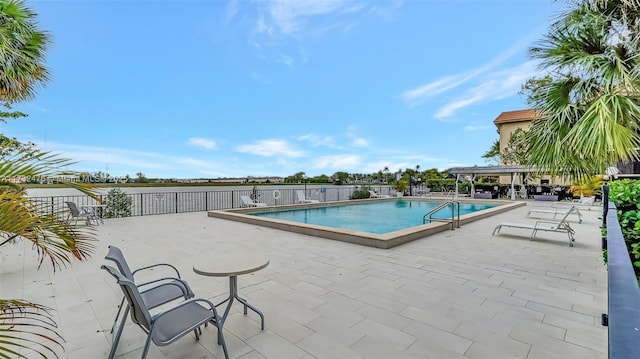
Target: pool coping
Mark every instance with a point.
(384, 241)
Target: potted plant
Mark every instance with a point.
(587, 187)
(401, 186)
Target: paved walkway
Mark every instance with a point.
(457, 294)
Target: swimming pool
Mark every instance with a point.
(413, 231)
(378, 217)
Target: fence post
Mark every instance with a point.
(141, 202)
(605, 211)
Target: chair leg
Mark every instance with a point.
(221, 341)
(145, 351)
(118, 333)
(115, 320)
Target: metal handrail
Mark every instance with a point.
(450, 193)
(439, 208)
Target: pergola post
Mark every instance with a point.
(457, 179)
(473, 185)
(513, 188)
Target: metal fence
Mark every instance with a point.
(144, 204)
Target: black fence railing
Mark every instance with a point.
(144, 204)
(623, 317)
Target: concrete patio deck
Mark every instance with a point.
(456, 294)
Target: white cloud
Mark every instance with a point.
(316, 140)
(451, 107)
(360, 142)
(202, 142)
(289, 15)
(475, 128)
(117, 160)
(284, 59)
(342, 162)
(416, 96)
(496, 85)
(268, 148)
(231, 10)
(286, 24)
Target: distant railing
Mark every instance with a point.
(623, 317)
(144, 204)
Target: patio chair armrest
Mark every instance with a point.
(184, 287)
(157, 265)
(180, 284)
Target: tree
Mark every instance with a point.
(517, 149)
(25, 325)
(433, 173)
(587, 109)
(22, 53)
(141, 177)
(54, 239)
(493, 154)
(341, 177)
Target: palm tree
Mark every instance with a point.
(23, 325)
(493, 154)
(22, 48)
(587, 116)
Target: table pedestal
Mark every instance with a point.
(233, 294)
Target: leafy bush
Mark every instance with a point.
(118, 204)
(446, 185)
(626, 196)
(587, 187)
(361, 192)
(401, 185)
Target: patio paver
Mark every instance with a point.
(457, 294)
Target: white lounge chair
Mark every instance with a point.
(545, 225)
(303, 199)
(248, 202)
(373, 194)
(536, 212)
(582, 202)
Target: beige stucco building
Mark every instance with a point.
(506, 123)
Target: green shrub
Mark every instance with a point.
(626, 196)
(361, 192)
(118, 204)
(446, 185)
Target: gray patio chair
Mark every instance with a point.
(171, 324)
(154, 293)
(76, 213)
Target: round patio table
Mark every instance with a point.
(232, 265)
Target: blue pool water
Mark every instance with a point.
(379, 217)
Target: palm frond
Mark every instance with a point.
(26, 326)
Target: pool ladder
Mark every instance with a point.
(454, 204)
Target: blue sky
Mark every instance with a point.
(189, 89)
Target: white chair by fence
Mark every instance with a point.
(303, 199)
(373, 194)
(248, 202)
